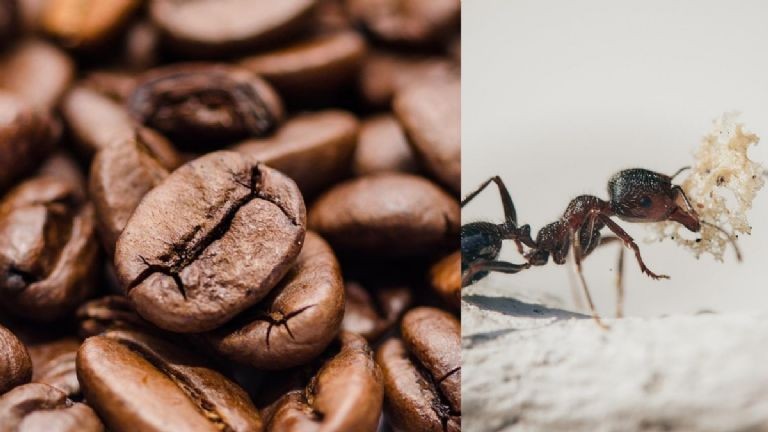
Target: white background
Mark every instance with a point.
(559, 95)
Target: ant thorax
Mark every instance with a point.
(721, 186)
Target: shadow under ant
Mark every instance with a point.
(636, 195)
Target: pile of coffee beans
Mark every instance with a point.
(232, 215)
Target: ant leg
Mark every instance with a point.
(491, 266)
(576, 252)
(630, 243)
(619, 275)
(510, 215)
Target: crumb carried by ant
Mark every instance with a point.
(721, 186)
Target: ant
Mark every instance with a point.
(636, 195)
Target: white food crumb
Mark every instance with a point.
(721, 186)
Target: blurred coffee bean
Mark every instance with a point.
(37, 72)
(48, 248)
(382, 147)
(191, 258)
(386, 214)
(15, 364)
(113, 312)
(312, 69)
(26, 138)
(39, 407)
(431, 117)
(212, 28)
(422, 373)
(313, 149)
(344, 395)
(142, 46)
(205, 105)
(53, 363)
(372, 312)
(296, 322)
(139, 382)
(81, 24)
(407, 22)
(384, 73)
(121, 174)
(112, 84)
(445, 278)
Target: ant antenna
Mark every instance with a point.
(730, 238)
(679, 171)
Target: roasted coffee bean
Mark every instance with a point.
(53, 363)
(212, 28)
(205, 105)
(445, 278)
(371, 313)
(63, 167)
(41, 408)
(48, 248)
(382, 147)
(313, 68)
(15, 364)
(95, 121)
(9, 21)
(210, 241)
(387, 214)
(37, 72)
(409, 22)
(86, 23)
(431, 116)
(422, 373)
(114, 312)
(344, 395)
(385, 73)
(312, 149)
(26, 138)
(121, 174)
(296, 322)
(142, 46)
(140, 382)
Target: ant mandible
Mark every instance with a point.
(636, 195)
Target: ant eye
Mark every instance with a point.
(645, 202)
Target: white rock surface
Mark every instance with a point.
(531, 368)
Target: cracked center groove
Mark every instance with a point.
(283, 321)
(207, 408)
(439, 403)
(188, 254)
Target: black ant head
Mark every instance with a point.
(639, 195)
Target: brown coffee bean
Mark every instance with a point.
(382, 147)
(15, 364)
(48, 248)
(86, 23)
(345, 395)
(140, 382)
(371, 314)
(384, 73)
(114, 85)
(422, 373)
(445, 278)
(113, 312)
(431, 116)
(210, 241)
(331, 16)
(41, 408)
(312, 68)
(212, 28)
(313, 149)
(386, 214)
(205, 104)
(411, 22)
(120, 176)
(37, 72)
(26, 138)
(142, 46)
(95, 121)
(62, 166)
(296, 322)
(53, 363)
